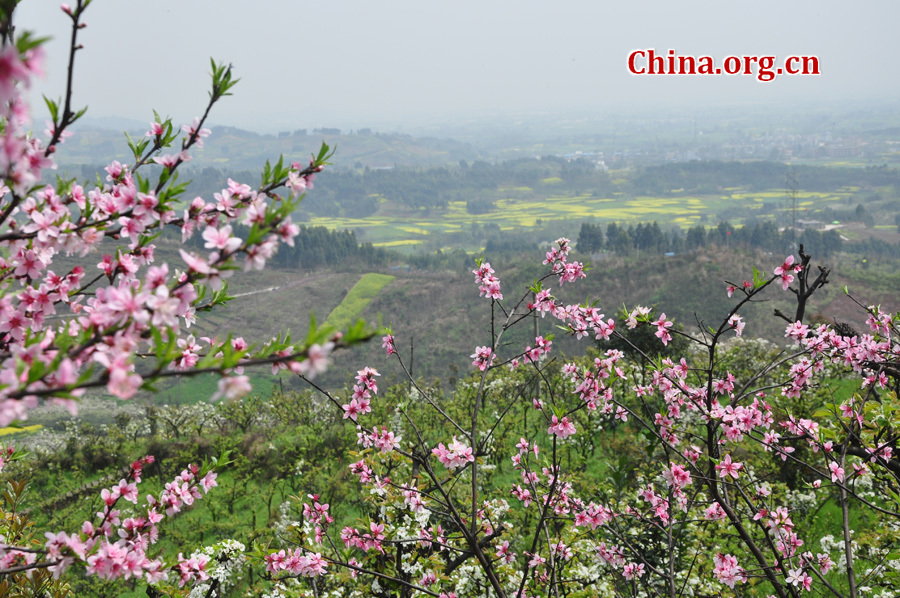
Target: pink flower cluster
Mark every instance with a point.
(369, 541)
(633, 570)
(659, 505)
(728, 571)
(541, 347)
(483, 357)
(296, 563)
(363, 391)
(543, 302)
(191, 570)
(593, 516)
(127, 304)
(594, 386)
(387, 343)
(662, 329)
(726, 467)
(677, 476)
(184, 490)
(455, 455)
(384, 440)
(558, 256)
(561, 427)
(116, 548)
(23, 156)
(488, 284)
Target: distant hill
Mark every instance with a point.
(233, 148)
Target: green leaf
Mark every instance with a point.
(266, 174)
(324, 154)
(137, 147)
(892, 494)
(143, 184)
(78, 115)
(279, 167)
(53, 108)
(222, 81)
(159, 347)
(358, 332)
(27, 41)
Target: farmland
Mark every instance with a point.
(357, 299)
(399, 228)
(414, 209)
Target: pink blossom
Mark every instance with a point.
(676, 475)
(297, 183)
(728, 571)
(837, 472)
(786, 270)
(387, 343)
(192, 570)
(221, 239)
(318, 357)
(12, 69)
(489, 285)
(662, 329)
(714, 512)
(483, 358)
(727, 467)
(156, 130)
(168, 161)
(352, 409)
(561, 427)
(633, 570)
(737, 324)
(455, 455)
(194, 130)
(232, 388)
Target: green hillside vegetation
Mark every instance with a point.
(436, 309)
(280, 447)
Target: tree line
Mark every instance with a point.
(649, 237)
(317, 247)
(713, 176)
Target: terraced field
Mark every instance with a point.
(357, 299)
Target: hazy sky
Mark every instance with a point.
(364, 62)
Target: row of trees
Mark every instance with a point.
(715, 176)
(651, 238)
(317, 247)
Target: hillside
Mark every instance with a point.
(442, 316)
(237, 149)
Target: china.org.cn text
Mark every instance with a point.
(764, 68)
